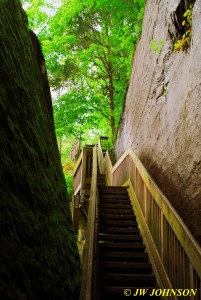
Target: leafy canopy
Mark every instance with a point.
(88, 47)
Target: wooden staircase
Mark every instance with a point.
(115, 259)
(101, 180)
(123, 262)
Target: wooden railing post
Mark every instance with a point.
(83, 169)
(101, 158)
(77, 182)
(86, 292)
(77, 175)
(162, 237)
(75, 151)
(76, 200)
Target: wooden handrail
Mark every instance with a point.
(81, 169)
(75, 151)
(87, 271)
(108, 169)
(77, 188)
(175, 255)
(81, 183)
(77, 175)
(101, 163)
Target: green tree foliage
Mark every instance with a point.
(88, 47)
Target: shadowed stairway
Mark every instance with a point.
(123, 262)
(136, 244)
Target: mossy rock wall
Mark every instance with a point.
(38, 252)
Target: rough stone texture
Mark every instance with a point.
(38, 254)
(165, 130)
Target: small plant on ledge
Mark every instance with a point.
(185, 41)
(156, 46)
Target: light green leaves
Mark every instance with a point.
(156, 46)
(184, 42)
(88, 47)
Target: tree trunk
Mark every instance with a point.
(111, 99)
(60, 144)
(39, 257)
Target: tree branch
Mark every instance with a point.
(96, 77)
(103, 62)
(102, 113)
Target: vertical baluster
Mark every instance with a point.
(187, 271)
(169, 251)
(165, 245)
(145, 202)
(174, 260)
(154, 220)
(183, 270)
(162, 235)
(176, 263)
(191, 279)
(160, 228)
(180, 266)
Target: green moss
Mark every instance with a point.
(39, 255)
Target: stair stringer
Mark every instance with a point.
(155, 260)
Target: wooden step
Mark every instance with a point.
(123, 223)
(118, 217)
(116, 211)
(125, 267)
(134, 279)
(123, 262)
(123, 254)
(104, 246)
(101, 175)
(123, 238)
(115, 205)
(116, 200)
(113, 256)
(87, 191)
(101, 180)
(101, 183)
(117, 230)
(113, 190)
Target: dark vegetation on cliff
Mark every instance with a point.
(38, 253)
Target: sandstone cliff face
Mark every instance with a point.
(165, 130)
(38, 253)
